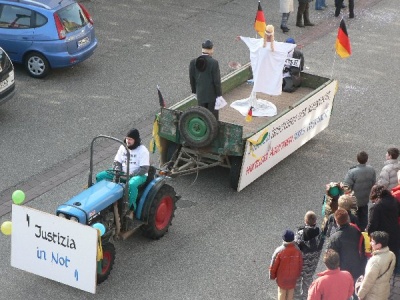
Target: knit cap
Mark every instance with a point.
(288, 236)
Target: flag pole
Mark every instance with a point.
(333, 64)
(334, 52)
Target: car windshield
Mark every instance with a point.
(72, 17)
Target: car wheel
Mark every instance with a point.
(198, 127)
(107, 262)
(37, 65)
(161, 213)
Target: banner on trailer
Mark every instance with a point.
(275, 142)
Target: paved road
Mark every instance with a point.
(221, 241)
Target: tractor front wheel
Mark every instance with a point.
(161, 213)
(107, 263)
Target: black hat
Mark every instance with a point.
(288, 236)
(207, 45)
(133, 133)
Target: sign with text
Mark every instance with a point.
(292, 62)
(272, 144)
(54, 247)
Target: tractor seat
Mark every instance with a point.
(150, 176)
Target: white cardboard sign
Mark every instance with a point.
(285, 135)
(292, 62)
(54, 248)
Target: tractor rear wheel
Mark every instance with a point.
(107, 263)
(161, 213)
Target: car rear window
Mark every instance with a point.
(72, 17)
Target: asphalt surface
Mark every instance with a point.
(221, 241)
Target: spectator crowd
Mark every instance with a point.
(360, 231)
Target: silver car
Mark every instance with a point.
(7, 82)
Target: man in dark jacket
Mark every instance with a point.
(205, 78)
(384, 217)
(291, 74)
(361, 178)
(346, 242)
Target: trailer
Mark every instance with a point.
(190, 139)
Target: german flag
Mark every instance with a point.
(259, 22)
(343, 47)
(249, 116)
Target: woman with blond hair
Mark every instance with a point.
(347, 202)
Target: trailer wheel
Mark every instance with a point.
(161, 213)
(198, 127)
(107, 262)
(234, 174)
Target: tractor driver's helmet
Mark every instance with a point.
(134, 134)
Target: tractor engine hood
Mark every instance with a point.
(92, 200)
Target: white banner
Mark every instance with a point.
(53, 247)
(279, 139)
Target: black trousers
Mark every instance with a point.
(362, 215)
(211, 107)
(338, 5)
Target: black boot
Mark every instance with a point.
(284, 29)
(307, 19)
(299, 21)
(351, 9)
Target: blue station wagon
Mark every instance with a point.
(46, 34)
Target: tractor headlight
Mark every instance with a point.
(75, 219)
(62, 216)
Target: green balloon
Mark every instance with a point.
(18, 197)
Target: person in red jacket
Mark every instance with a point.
(286, 266)
(332, 283)
(396, 192)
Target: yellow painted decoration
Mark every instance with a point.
(155, 142)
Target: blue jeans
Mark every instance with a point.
(320, 4)
(134, 183)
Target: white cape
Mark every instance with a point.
(267, 65)
(261, 108)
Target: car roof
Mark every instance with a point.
(47, 4)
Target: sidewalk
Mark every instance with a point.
(395, 288)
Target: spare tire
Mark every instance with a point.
(198, 127)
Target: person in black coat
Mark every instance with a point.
(383, 216)
(291, 74)
(346, 242)
(205, 78)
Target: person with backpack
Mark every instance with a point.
(310, 241)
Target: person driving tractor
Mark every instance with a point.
(139, 164)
